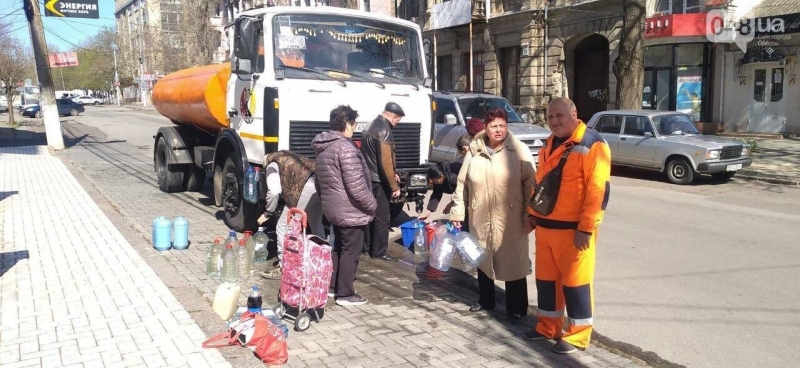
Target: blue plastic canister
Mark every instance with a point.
(181, 237)
(161, 233)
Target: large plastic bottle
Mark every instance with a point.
(162, 233)
(213, 258)
(230, 266)
(251, 249)
(251, 185)
(260, 248)
(181, 228)
(232, 238)
(420, 238)
(226, 300)
(243, 258)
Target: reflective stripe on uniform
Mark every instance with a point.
(549, 314)
(580, 321)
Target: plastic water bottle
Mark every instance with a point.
(420, 241)
(272, 317)
(214, 259)
(232, 238)
(254, 301)
(181, 238)
(162, 233)
(260, 247)
(230, 269)
(251, 185)
(243, 258)
(251, 248)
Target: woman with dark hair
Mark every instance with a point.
(347, 200)
(497, 179)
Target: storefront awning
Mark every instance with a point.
(763, 54)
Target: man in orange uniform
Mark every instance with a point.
(565, 238)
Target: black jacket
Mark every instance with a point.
(377, 146)
(449, 186)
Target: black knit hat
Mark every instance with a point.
(394, 108)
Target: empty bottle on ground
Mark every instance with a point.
(214, 258)
(230, 265)
(420, 238)
(243, 258)
(260, 248)
(254, 300)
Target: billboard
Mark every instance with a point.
(62, 59)
(71, 9)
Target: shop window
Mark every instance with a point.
(777, 85)
(759, 85)
(690, 54)
(658, 55)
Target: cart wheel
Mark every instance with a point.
(303, 322)
(279, 310)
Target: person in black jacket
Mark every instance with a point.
(444, 178)
(377, 145)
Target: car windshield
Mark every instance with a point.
(674, 124)
(371, 49)
(477, 107)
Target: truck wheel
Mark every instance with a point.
(168, 181)
(195, 178)
(240, 215)
(679, 171)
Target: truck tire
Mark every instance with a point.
(169, 181)
(194, 178)
(239, 214)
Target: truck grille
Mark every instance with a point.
(730, 152)
(534, 144)
(406, 136)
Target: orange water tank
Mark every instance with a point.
(194, 96)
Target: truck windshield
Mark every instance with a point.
(351, 44)
(477, 107)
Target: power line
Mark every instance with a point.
(74, 45)
(10, 32)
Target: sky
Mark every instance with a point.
(61, 32)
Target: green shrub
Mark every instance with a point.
(750, 142)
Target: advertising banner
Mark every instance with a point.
(71, 9)
(688, 99)
(62, 59)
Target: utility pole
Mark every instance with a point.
(47, 94)
(116, 75)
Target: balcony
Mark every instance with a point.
(456, 13)
(675, 25)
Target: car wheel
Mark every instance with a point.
(239, 215)
(73, 112)
(679, 171)
(168, 181)
(95, 103)
(723, 176)
(38, 114)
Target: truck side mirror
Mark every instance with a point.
(648, 134)
(428, 82)
(450, 119)
(242, 66)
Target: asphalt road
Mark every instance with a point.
(704, 275)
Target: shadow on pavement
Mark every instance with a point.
(4, 195)
(9, 259)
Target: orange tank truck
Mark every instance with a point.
(194, 96)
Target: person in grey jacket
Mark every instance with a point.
(347, 200)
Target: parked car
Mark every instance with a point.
(668, 141)
(87, 100)
(453, 109)
(65, 107)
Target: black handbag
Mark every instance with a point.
(545, 193)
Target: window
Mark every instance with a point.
(777, 85)
(259, 62)
(444, 107)
(663, 6)
(674, 124)
(476, 107)
(637, 125)
(609, 124)
(477, 69)
(690, 54)
(658, 55)
(760, 85)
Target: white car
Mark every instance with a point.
(86, 100)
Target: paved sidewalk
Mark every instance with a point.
(73, 292)
(776, 161)
(411, 321)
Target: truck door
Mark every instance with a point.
(246, 90)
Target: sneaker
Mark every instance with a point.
(273, 274)
(331, 293)
(563, 347)
(353, 300)
(534, 336)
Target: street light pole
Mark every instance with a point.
(116, 74)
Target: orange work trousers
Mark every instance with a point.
(564, 276)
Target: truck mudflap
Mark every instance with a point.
(175, 137)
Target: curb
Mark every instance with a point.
(768, 178)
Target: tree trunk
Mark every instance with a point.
(10, 102)
(629, 65)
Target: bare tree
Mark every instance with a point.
(629, 66)
(14, 63)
